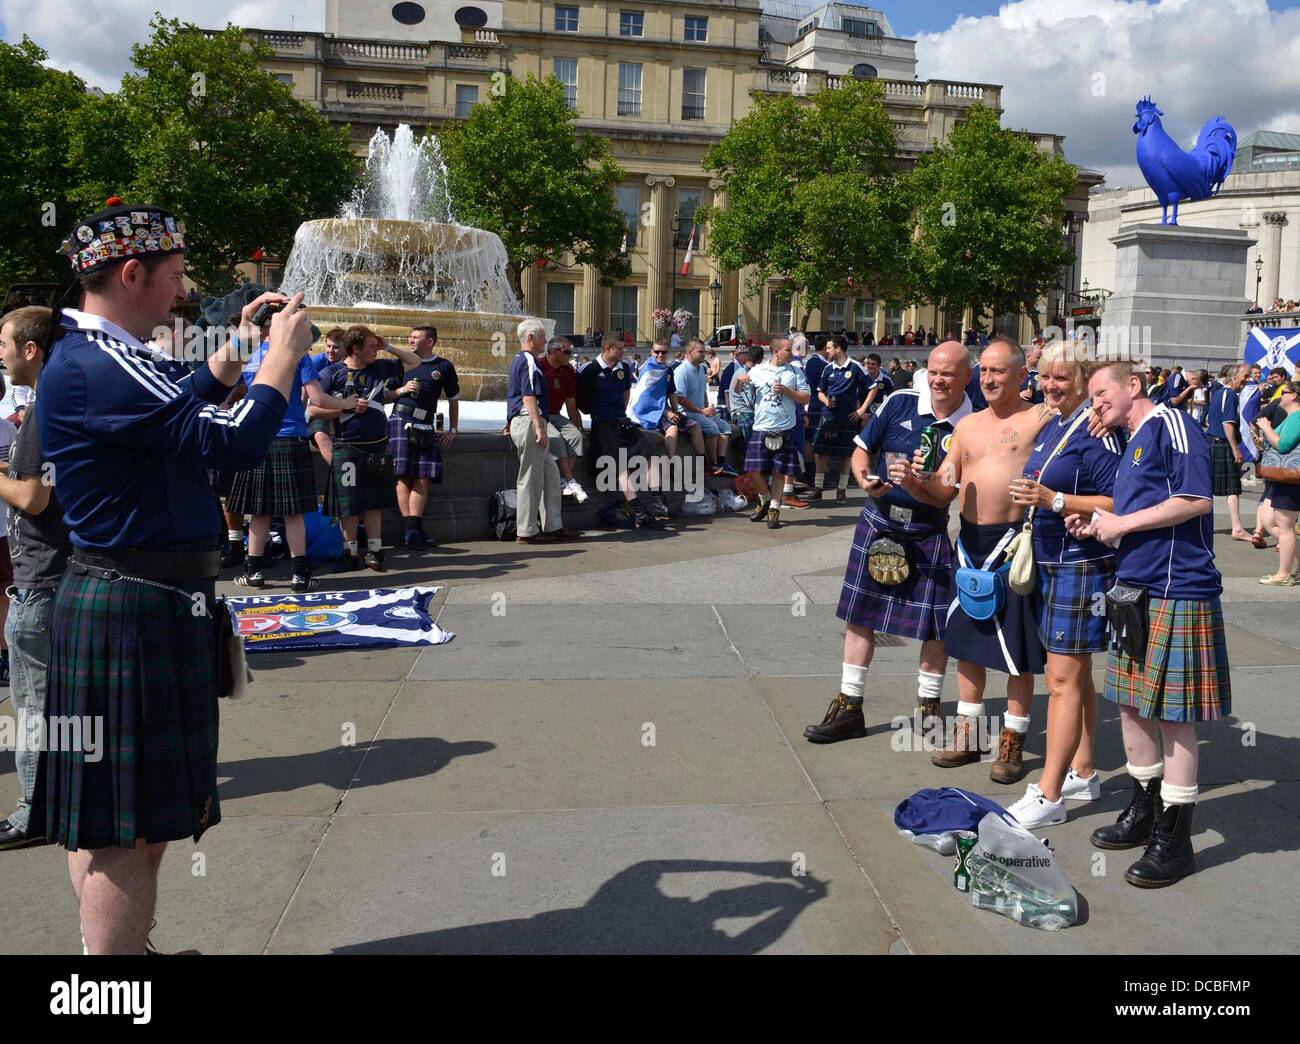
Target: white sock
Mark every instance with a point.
(844, 478)
(374, 543)
(970, 710)
(929, 686)
(350, 546)
(1144, 774)
(853, 681)
(1172, 795)
(235, 536)
(1015, 724)
(819, 480)
(789, 488)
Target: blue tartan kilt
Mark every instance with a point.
(1072, 615)
(134, 658)
(409, 462)
(917, 607)
(786, 461)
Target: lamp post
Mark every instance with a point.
(715, 293)
(1259, 277)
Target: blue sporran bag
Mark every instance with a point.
(982, 593)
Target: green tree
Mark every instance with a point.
(39, 111)
(813, 196)
(202, 129)
(988, 206)
(517, 167)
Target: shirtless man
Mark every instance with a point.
(989, 449)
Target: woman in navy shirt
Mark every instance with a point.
(1068, 471)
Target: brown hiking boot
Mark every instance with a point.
(1009, 768)
(843, 721)
(963, 748)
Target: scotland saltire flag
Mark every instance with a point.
(337, 620)
(1273, 347)
(1248, 410)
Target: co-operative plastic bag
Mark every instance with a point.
(705, 505)
(1015, 874)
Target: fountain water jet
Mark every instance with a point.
(396, 258)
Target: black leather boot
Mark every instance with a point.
(1133, 828)
(843, 721)
(1168, 857)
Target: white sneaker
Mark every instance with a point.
(1034, 811)
(1076, 788)
(574, 489)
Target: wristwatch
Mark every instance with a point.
(1058, 503)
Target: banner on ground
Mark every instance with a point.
(373, 619)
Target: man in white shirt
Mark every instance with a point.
(773, 447)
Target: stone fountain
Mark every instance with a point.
(396, 257)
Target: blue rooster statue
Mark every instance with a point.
(1175, 175)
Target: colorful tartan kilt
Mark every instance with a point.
(135, 658)
(1072, 613)
(283, 484)
(1225, 472)
(408, 462)
(785, 461)
(834, 438)
(1185, 676)
(365, 492)
(916, 608)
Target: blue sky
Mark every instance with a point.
(912, 17)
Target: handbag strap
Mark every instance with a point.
(1029, 518)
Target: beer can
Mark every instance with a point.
(930, 449)
(437, 422)
(961, 874)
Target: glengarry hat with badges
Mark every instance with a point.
(121, 231)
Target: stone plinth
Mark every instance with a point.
(1177, 295)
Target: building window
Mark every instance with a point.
(894, 321)
(628, 200)
(466, 99)
(688, 202)
(692, 94)
(1008, 324)
(697, 28)
(864, 315)
(778, 312)
(859, 27)
(863, 71)
(805, 29)
(629, 88)
(690, 300)
(623, 309)
(408, 13)
(566, 71)
(559, 306)
(835, 314)
(631, 23)
(566, 19)
(284, 78)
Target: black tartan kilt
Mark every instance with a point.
(1225, 472)
(365, 492)
(834, 438)
(283, 484)
(136, 658)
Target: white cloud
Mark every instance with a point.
(1196, 58)
(93, 38)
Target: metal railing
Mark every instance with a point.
(1283, 319)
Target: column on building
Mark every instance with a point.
(532, 285)
(1274, 222)
(589, 306)
(657, 252)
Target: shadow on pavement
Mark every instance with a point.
(629, 914)
(390, 761)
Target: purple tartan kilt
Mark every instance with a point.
(407, 461)
(785, 461)
(916, 608)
